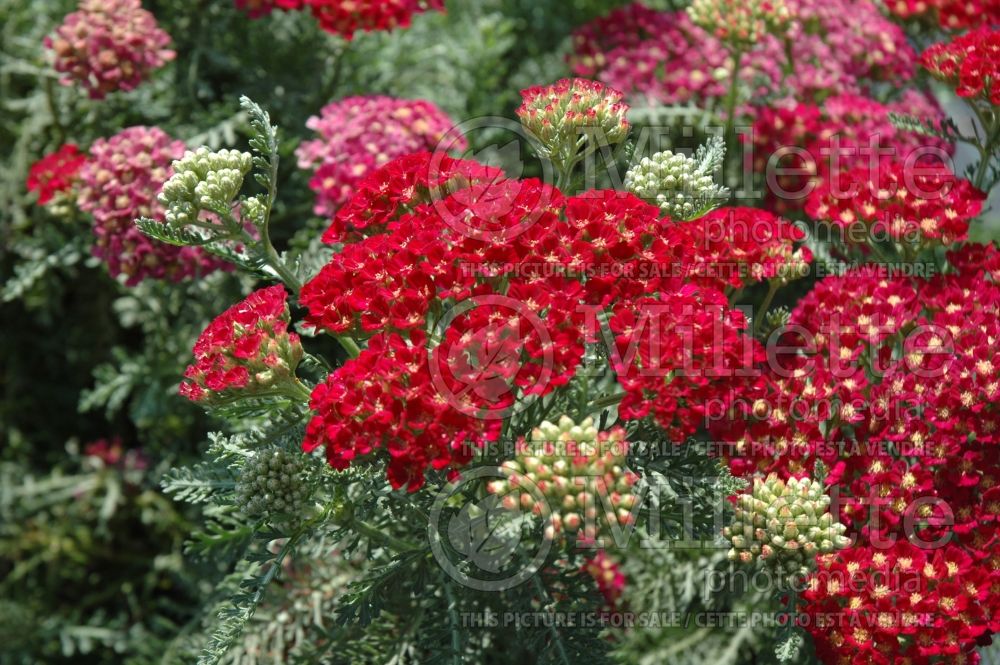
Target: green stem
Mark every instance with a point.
(772, 288)
(731, 99)
(604, 402)
(50, 98)
(991, 132)
(556, 637)
(373, 533)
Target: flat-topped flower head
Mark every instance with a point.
(204, 180)
(109, 45)
(562, 115)
(970, 63)
(740, 23)
(573, 477)
(54, 175)
(275, 484)
(246, 351)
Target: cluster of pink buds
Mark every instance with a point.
(109, 45)
(573, 477)
(247, 350)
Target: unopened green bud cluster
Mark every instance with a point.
(204, 180)
(683, 187)
(275, 482)
(785, 524)
(573, 477)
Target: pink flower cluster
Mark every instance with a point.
(247, 347)
(109, 45)
(664, 58)
(119, 183)
(345, 17)
(359, 134)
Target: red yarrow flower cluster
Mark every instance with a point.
(608, 576)
(971, 63)
(118, 184)
(56, 173)
(511, 277)
(246, 350)
(949, 14)
(806, 143)
(401, 185)
(346, 17)
(735, 247)
(109, 45)
(385, 401)
(921, 206)
(360, 134)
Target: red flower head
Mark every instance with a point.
(971, 63)
(386, 402)
(608, 576)
(246, 350)
(919, 205)
(56, 173)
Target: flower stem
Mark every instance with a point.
(772, 288)
(373, 533)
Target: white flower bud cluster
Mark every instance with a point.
(785, 524)
(275, 482)
(572, 476)
(204, 180)
(682, 187)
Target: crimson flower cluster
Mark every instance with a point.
(894, 390)
(971, 63)
(664, 58)
(926, 206)
(346, 17)
(803, 138)
(109, 45)
(245, 350)
(490, 294)
(608, 577)
(401, 185)
(736, 247)
(55, 173)
(949, 14)
(359, 134)
(118, 184)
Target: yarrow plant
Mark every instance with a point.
(109, 45)
(463, 407)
